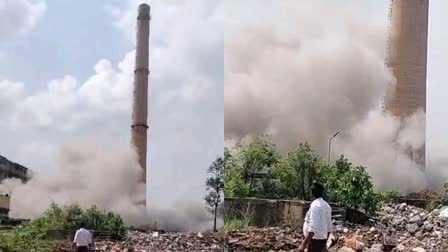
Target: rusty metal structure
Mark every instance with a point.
(407, 58)
(139, 125)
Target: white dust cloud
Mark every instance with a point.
(108, 178)
(317, 77)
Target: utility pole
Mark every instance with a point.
(329, 145)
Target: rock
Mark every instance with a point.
(377, 248)
(444, 212)
(416, 219)
(412, 228)
(418, 249)
(400, 247)
(389, 210)
(398, 221)
(345, 249)
(435, 212)
(419, 235)
(402, 206)
(354, 243)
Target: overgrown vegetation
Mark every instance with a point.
(34, 236)
(241, 218)
(390, 196)
(256, 169)
(235, 224)
(437, 200)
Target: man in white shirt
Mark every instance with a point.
(317, 226)
(82, 240)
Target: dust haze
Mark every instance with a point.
(92, 175)
(315, 76)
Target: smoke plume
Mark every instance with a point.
(318, 77)
(91, 175)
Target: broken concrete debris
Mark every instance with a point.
(399, 227)
(138, 241)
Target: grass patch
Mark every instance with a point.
(235, 224)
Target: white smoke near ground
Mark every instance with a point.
(381, 142)
(320, 76)
(108, 178)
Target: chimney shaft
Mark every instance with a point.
(407, 58)
(140, 94)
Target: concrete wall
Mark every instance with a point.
(264, 212)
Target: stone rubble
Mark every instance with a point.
(263, 239)
(399, 227)
(137, 241)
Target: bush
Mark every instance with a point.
(32, 237)
(350, 186)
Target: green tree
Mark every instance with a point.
(235, 186)
(297, 172)
(215, 186)
(254, 157)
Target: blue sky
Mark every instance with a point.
(69, 38)
(66, 77)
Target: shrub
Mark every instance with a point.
(350, 186)
(32, 237)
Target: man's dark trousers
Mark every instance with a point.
(83, 249)
(317, 246)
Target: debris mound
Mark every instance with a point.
(138, 241)
(261, 239)
(398, 227)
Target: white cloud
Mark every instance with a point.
(185, 104)
(19, 16)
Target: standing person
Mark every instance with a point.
(82, 240)
(317, 226)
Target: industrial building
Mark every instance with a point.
(9, 169)
(407, 58)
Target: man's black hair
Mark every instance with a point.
(82, 224)
(317, 189)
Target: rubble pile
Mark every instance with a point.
(263, 239)
(415, 229)
(398, 227)
(137, 241)
(160, 241)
